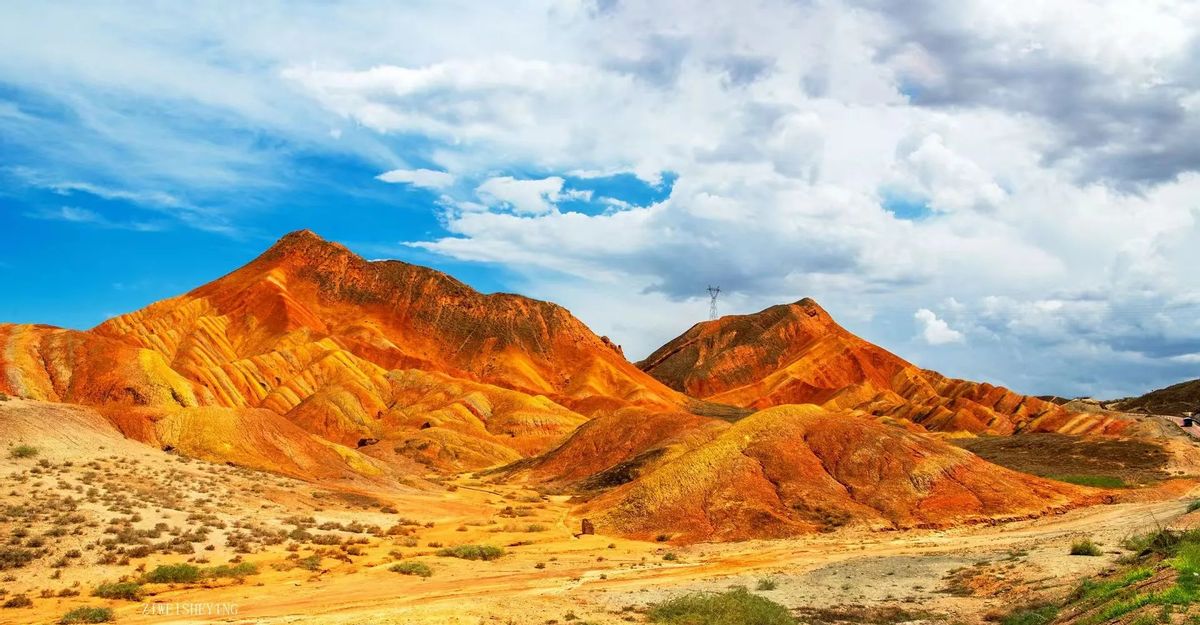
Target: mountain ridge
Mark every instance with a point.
(796, 354)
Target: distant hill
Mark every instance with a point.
(797, 354)
(1178, 399)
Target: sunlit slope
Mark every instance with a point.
(401, 360)
(800, 468)
(796, 353)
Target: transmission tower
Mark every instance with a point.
(713, 292)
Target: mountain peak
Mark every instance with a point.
(303, 243)
(797, 354)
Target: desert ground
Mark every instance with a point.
(89, 507)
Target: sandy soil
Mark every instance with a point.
(81, 490)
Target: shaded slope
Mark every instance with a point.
(796, 353)
(616, 448)
(796, 469)
(1177, 399)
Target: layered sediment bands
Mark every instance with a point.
(615, 448)
(799, 469)
(796, 353)
(53, 364)
(347, 350)
(245, 334)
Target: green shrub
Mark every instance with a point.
(237, 571)
(1194, 506)
(23, 451)
(734, 607)
(87, 615)
(766, 583)
(419, 569)
(1085, 547)
(311, 563)
(129, 591)
(1161, 542)
(670, 556)
(173, 574)
(472, 552)
(15, 557)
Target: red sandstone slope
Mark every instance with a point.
(796, 354)
(351, 351)
(797, 469)
(392, 314)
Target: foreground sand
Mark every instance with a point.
(78, 486)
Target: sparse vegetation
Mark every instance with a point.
(23, 451)
(1085, 547)
(472, 552)
(766, 583)
(173, 574)
(1031, 615)
(15, 557)
(1165, 575)
(87, 615)
(129, 591)
(1194, 506)
(236, 571)
(734, 607)
(18, 601)
(419, 569)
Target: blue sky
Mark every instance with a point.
(1005, 193)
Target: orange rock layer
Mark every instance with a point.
(352, 351)
(799, 469)
(797, 354)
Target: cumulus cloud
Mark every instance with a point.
(925, 167)
(936, 331)
(424, 178)
(524, 197)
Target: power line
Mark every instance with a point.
(713, 292)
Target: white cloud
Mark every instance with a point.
(926, 167)
(75, 214)
(1051, 141)
(524, 197)
(424, 178)
(936, 331)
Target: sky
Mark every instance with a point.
(1001, 191)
